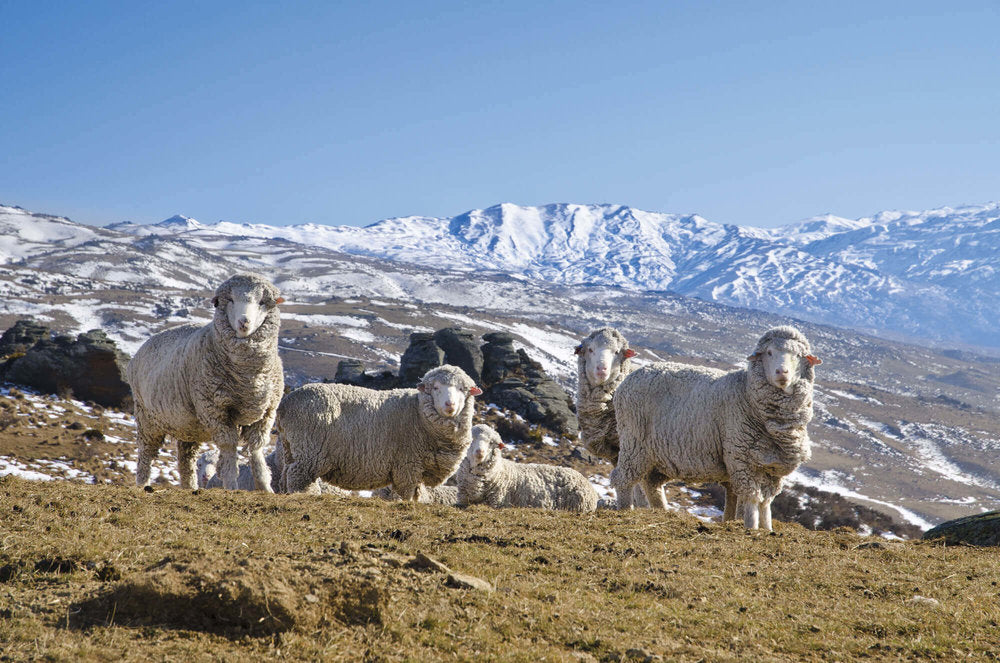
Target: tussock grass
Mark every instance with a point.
(110, 572)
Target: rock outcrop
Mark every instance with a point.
(508, 376)
(422, 355)
(982, 529)
(90, 367)
(514, 381)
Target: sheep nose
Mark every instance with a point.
(243, 322)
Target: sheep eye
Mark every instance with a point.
(590, 350)
(769, 353)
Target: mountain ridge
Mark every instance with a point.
(933, 274)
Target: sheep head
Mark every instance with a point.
(485, 446)
(785, 357)
(450, 389)
(602, 356)
(245, 300)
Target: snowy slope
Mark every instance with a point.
(23, 233)
(932, 275)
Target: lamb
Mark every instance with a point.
(221, 382)
(363, 439)
(746, 427)
(486, 477)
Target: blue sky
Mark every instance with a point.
(331, 112)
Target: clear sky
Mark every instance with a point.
(347, 113)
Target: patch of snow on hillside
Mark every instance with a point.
(326, 320)
(832, 482)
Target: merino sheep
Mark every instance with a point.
(602, 362)
(362, 439)
(221, 382)
(745, 427)
(486, 477)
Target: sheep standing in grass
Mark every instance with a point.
(220, 382)
(362, 439)
(602, 362)
(486, 477)
(745, 427)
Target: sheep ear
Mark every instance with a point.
(754, 357)
(279, 300)
(578, 350)
(501, 445)
(813, 360)
(475, 391)
(421, 387)
(215, 301)
(629, 353)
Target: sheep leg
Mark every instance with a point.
(730, 506)
(257, 435)
(228, 470)
(407, 493)
(748, 509)
(149, 447)
(623, 481)
(297, 477)
(186, 458)
(406, 485)
(764, 509)
(654, 492)
(639, 497)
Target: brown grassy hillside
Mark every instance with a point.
(110, 572)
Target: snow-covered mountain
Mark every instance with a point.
(932, 275)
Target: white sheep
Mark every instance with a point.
(745, 427)
(486, 477)
(363, 439)
(602, 362)
(219, 382)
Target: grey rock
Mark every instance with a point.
(422, 355)
(90, 366)
(461, 349)
(21, 336)
(462, 581)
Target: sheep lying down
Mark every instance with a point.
(486, 477)
(363, 439)
(746, 428)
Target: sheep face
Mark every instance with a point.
(602, 354)
(485, 446)
(785, 359)
(448, 390)
(246, 301)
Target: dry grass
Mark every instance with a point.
(109, 572)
